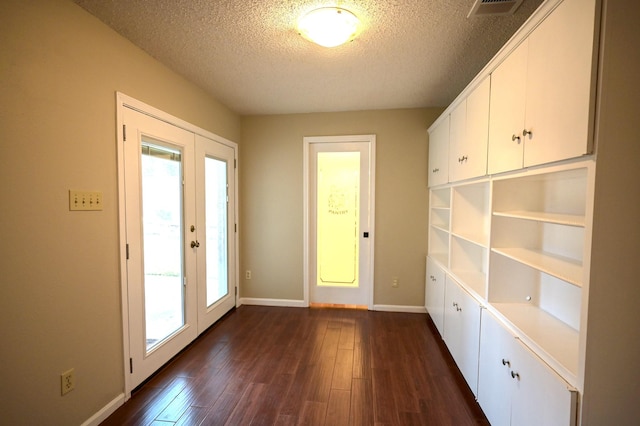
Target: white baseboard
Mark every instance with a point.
(400, 308)
(273, 302)
(105, 411)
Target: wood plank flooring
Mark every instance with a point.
(292, 366)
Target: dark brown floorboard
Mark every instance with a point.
(295, 366)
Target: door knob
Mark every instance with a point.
(526, 132)
(195, 244)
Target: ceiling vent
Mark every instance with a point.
(494, 7)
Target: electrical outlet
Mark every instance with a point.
(394, 283)
(247, 274)
(68, 381)
(85, 200)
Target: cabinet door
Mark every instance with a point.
(457, 135)
(434, 294)
(494, 379)
(559, 84)
(462, 331)
(468, 135)
(439, 153)
(542, 397)
(508, 89)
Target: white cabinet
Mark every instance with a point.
(434, 294)
(508, 88)
(439, 153)
(462, 330)
(469, 131)
(542, 99)
(517, 388)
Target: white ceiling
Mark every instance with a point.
(248, 55)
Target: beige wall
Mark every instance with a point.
(59, 281)
(271, 200)
(612, 378)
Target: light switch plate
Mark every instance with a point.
(85, 200)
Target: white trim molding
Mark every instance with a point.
(105, 411)
(400, 308)
(287, 303)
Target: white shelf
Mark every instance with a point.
(441, 258)
(471, 280)
(552, 339)
(564, 268)
(557, 218)
(440, 228)
(479, 240)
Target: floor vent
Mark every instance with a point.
(494, 7)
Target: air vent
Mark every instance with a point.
(494, 7)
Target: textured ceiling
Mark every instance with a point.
(248, 55)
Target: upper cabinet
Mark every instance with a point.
(541, 94)
(439, 153)
(469, 134)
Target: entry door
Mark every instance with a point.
(180, 238)
(161, 265)
(340, 219)
(215, 230)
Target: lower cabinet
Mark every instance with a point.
(434, 294)
(462, 330)
(515, 387)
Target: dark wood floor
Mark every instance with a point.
(289, 366)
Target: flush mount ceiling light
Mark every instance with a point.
(328, 26)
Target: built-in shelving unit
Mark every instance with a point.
(470, 221)
(439, 224)
(536, 263)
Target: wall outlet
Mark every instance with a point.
(247, 274)
(394, 283)
(67, 381)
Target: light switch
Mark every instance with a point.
(85, 200)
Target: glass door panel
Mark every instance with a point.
(162, 208)
(216, 200)
(338, 217)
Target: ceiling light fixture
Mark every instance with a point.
(329, 26)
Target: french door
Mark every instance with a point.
(179, 225)
(340, 211)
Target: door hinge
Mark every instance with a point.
(131, 365)
(235, 225)
(124, 132)
(235, 163)
(236, 291)
(127, 249)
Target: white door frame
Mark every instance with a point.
(307, 141)
(123, 101)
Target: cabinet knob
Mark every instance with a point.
(462, 159)
(526, 132)
(515, 137)
(506, 362)
(195, 244)
(515, 375)
(435, 170)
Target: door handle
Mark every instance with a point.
(195, 244)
